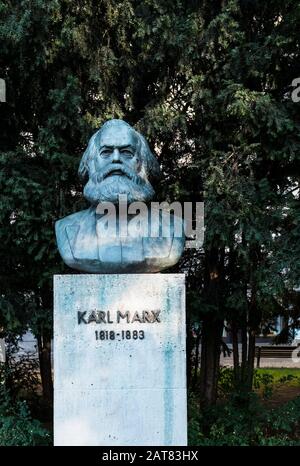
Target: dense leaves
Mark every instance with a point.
(209, 84)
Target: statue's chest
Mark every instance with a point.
(132, 249)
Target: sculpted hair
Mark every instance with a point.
(150, 166)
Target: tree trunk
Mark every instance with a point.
(244, 338)
(251, 360)
(189, 352)
(196, 367)
(210, 358)
(44, 349)
(236, 356)
(8, 381)
(212, 326)
(255, 316)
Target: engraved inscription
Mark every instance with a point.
(110, 317)
(123, 335)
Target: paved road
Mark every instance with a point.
(228, 362)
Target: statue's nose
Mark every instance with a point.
(116, 156)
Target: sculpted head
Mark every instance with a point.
(118, 161)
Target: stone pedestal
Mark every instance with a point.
(120, 360)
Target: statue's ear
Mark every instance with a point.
(88, 156)
(153, 168)
(83, 172)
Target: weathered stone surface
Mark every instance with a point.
(121, 390)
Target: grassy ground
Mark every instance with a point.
(278, 373)
(284, 387)
(270, 416)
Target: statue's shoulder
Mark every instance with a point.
(178, 226)
(67, 230)
(164, 251)
(70, 225)
(178, 239)
(72, 219)
(172, 225)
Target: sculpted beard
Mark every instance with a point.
(103, 187)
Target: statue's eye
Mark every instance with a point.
(105, 153)
(127, 153)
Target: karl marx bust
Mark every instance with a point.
(117, 162)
